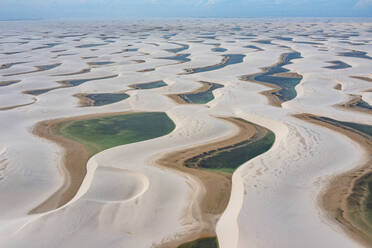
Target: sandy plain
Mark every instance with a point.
(126, 198)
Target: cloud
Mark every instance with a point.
(211, 2)
(363, 3)
(206, 2)
(184, 8)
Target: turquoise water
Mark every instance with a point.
(180, 49)
(287, 84)
(219, 49)
(267, 42)
(101, 63)
(283, 38)
(201, 97)
(48, 67)
(229, 158)
(38, 92)
(363, 128)
(106, 98)
(337, 64)
(7, 83)
(49, 45)
(363, 104)
(179, 57)
(69, 83)
(231, 60)
(90, 45)
(8, 65)
(156, 84)
(77, 82)
(356, 54)
(254, 47)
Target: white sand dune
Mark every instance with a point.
(115, 185)
(126, 199)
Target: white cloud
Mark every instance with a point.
(207, 2)
(211, 2)
(363, 3)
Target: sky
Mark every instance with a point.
(116, 9)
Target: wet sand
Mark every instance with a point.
(338, 87)
(204, 88)
(83, 100)
(18, 106)
(367, 79)
(274, 100)
(217, 184)
(341, 187)
(9, 82)
(224, 62)
(287, 75)
(75, 159)
(356, 104)
(38, 69)
(147, 70)
(148, 85)
(74, 73)
(65, 84)
(139, 61)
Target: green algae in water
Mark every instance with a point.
(362, 207)
(101, 133)
(229, 158)
(360, 200)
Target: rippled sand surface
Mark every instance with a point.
(126, 198)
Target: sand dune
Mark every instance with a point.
(124, 196)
